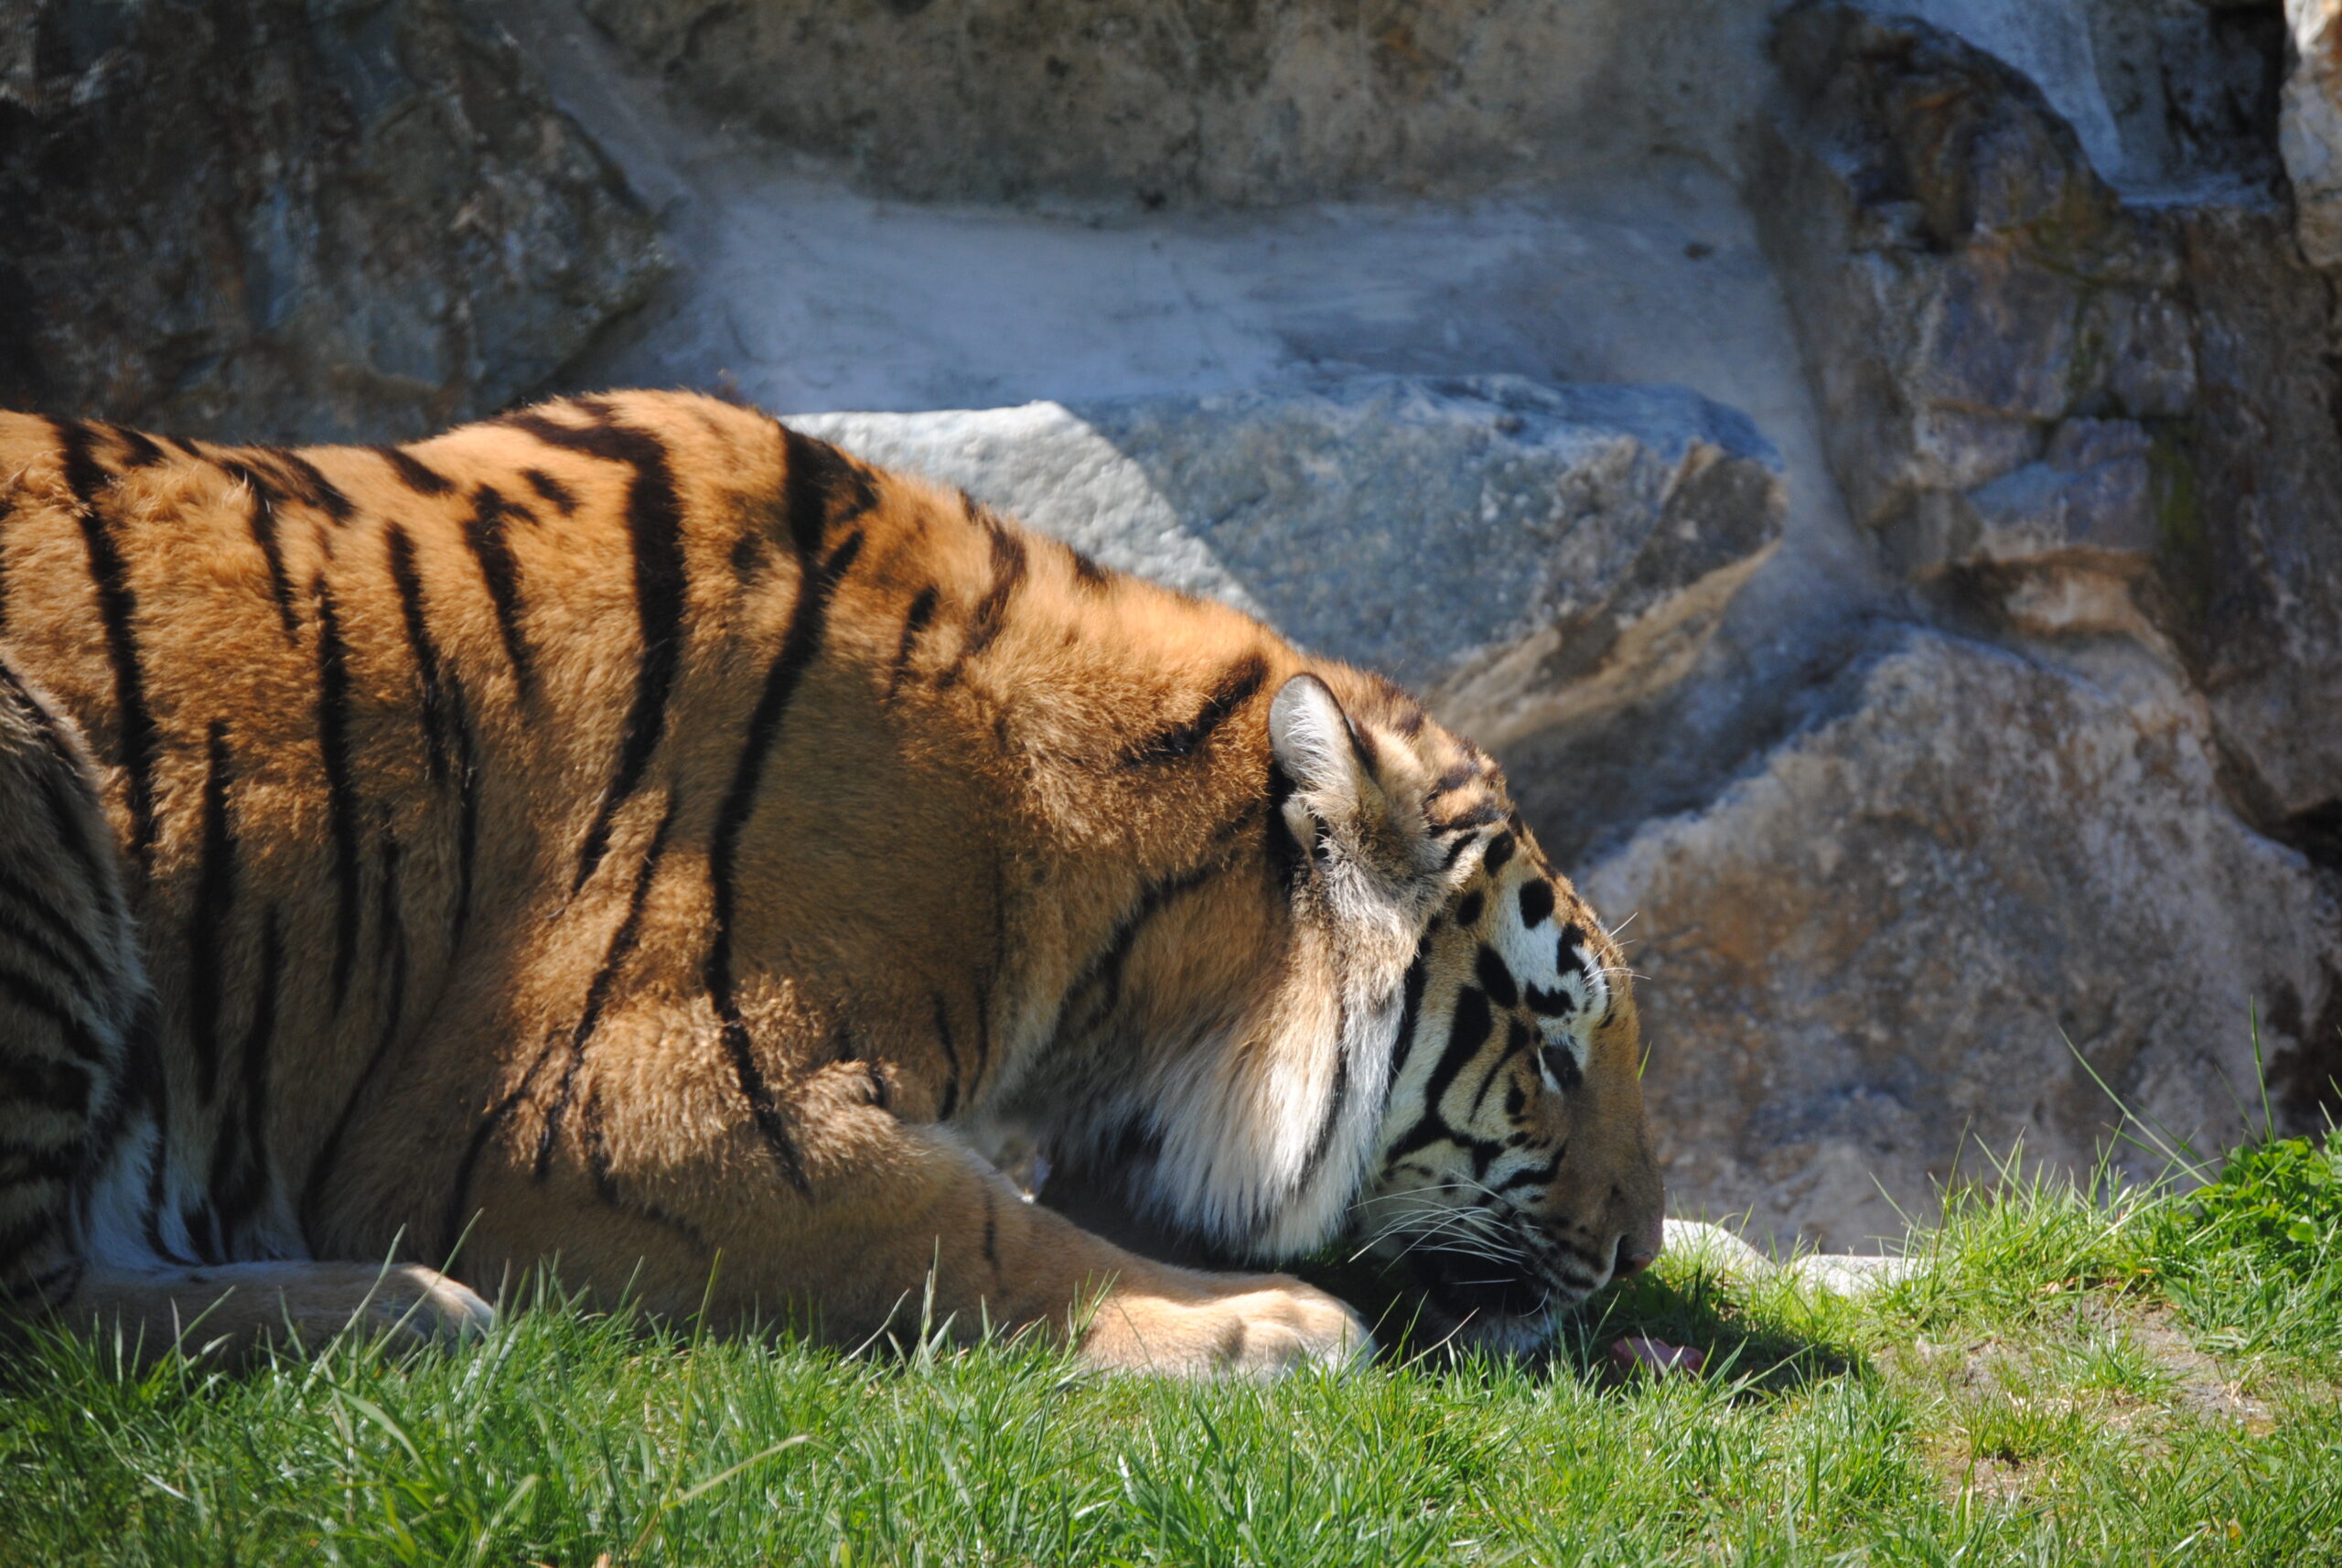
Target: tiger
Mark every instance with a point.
(628, 836)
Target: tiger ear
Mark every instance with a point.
(1320, 749)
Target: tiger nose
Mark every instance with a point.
(1642, 1249)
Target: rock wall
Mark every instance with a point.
(1221, 102)
(265, 218)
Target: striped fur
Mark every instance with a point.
(633, 832)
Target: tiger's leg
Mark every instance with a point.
(665, 1180)
(79, 1130)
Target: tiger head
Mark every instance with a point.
(1440, 1058)
(1512, 1168)
(1513, 1172)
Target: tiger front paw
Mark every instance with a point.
(1259, 1326)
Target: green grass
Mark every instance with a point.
(2074, 1377)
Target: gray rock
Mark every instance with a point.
(1964, 280)
(1513, 552)
(1863, 965)
(1151, 103)
(261, 218)
(2254, 557)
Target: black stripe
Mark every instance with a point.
(1103, 972)
(993, 970)
(1337, 1101)
(922, 610)
(1496, 977)
(139, 450)
(654, 534)
(390, 942)
(1479, 816)
(808, 620)
(951, 1059)
(158, 1168)
(1468, 1029)
(1536, 902)
(1499, 849)
(40, 926)
(598, 990)
(1235, 687)
(55, 1085)
(1517, 1040)
(1535, 1176)
(552, 489)
(37, 995)
(1564, 1066)
(991, 614)
(484, 534)
(992, 1228)
(311, 486)
(1280, 849)
(27, 1233)
(341, 793)
(1087, 571)
(432, 716)
(206, 924)
(445, 719)
(65, 807)
(241, 1195)
(606, 1186)
(118, 610)
(1555, 1004)
(8, 511)
(262, 523)
(800, 645)
(22, 1166)
(416, 473)
(460, 1196)
(1456, 777)
(822, 485)
(1410, 1007)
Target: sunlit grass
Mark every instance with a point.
(2103, 1376)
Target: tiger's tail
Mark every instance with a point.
(72, 989)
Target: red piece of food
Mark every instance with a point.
(1657, 1356)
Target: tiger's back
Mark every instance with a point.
(566, 810)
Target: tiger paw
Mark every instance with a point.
(233, 1309)
(1259, 1326)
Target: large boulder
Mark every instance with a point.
(289, 219)
(1886, 955)
(1514, 551)
(2088, 414)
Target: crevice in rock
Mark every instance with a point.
(2305, 1082)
